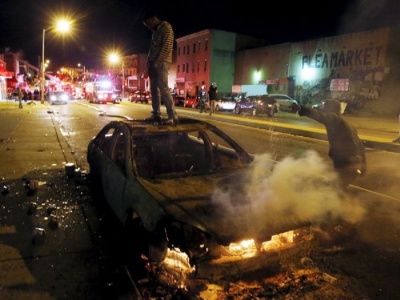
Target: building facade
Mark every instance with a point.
(209, 56)
(361, 66)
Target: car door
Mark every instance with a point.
(114, 170)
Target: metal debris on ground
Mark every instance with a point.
(6, 189)
(39, 235)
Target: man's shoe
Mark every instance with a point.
(153, 118)
(169, 122)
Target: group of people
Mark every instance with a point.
(205, 96)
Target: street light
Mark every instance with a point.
(63, 26)
(114, 58)
(79, 65)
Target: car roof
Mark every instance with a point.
(138, 127)
(280, 95)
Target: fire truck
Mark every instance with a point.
(101, 91)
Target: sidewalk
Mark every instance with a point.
(30, 140)
(47, 247)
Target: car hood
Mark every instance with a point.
(217, 205)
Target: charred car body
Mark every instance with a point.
(160, 180)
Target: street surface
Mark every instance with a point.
(80, 243)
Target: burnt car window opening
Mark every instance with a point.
(166, 153)
(190, 153)
(118, 153)
(106, 140)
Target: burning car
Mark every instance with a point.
(161, 181)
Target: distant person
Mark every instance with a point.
(158, 62)
(202, 96)
(25, 96)
(36, 94)
(20, 95)
(346, 150)
(397, 140)
(212, 96)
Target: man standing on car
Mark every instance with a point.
(212, 96)
(346, 150)
(158, 61)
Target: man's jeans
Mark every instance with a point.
(160, 90)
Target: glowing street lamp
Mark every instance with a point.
(114, 58)
(62, 26)
(79, 65)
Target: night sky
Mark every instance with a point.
(101, 26)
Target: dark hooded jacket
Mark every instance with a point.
(345, 147)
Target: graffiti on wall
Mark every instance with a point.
(369, 56)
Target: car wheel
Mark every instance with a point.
(254, 111)
(237, 110)
(139, 241)
(95, 187)
(360, 103)
(135, 243)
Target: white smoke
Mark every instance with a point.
(294, 190)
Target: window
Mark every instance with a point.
(118, 153)
(193, 67)
(205, 65)
(198, 66)
(178, 69)
(188, 49)
(206, 45)
(184, 50)
(183, 68)
(179, 51)
(105, 141)
(194, 47)
(187, 67)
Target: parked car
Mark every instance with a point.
(232, 96)
(117, 95)
(225, 105)
(191, 102)
(344, 106)
(140, 97)
(255, 105)
(160, 180)
(58, 97)
(179, 100)
(285, 102)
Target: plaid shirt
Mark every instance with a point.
(162, 42)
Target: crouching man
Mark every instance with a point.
(346, 150)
